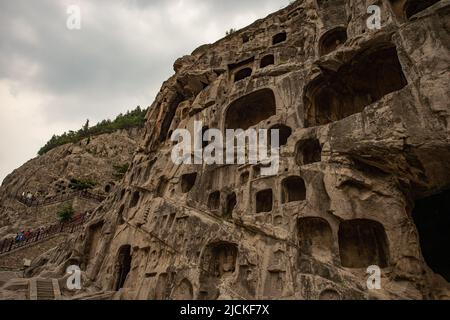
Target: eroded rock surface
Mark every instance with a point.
(49, 177)
(364, 167)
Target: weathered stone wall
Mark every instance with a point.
(365, 116)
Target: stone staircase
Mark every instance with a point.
(44, 289)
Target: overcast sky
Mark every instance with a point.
(52, 79)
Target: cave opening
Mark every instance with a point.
(123, 266)
(135, 199)
(308, 151)
(188, 182)
(223, 259)
(412, 7)
(242, 74)
(432, 218)
(250, 110)
(172, 106)
(267, 61)
(214, 200)
(279, 38)
(230, 205)
(294, 189)
(332, 40)
(366, 79)
(315, 238)
(363, 243)
(264, 201)
(284, 133)
(162, 187)
(218, 260)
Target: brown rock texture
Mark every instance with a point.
(48, 179)
(365, 165)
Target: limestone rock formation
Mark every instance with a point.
(364, 118)
(49, 179)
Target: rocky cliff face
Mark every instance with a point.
(364, 122)
(51, 177)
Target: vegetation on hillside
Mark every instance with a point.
(131, 119)
(120, 170)
(231, 31)
(66, 213)
(81, 185)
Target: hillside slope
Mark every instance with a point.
(52, 176)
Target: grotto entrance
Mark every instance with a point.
(432, 218)
(264, 201)
(123, 267)
(219, 260)
(188, 182)
(363, 243)
(294, 189)
(361, 82)
(250, 110)
(315, 238)
(94, 236)
(308, 151)
(230, 205)
(331, 40)
(413, 7)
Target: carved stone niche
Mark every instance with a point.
(219, 261)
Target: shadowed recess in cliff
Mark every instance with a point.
(406, 9)
(432, 218)
(219, 260)
(294, 189)
(123, 267)
(364, 80)
(331, 40)
(250, 110)
(363, 243)
(315, 238)
(169, 115)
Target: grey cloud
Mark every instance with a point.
(119, 59)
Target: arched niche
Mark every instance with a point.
(230, 205)
(284, 133)
(413, 7)
(218, 261)
(308, 151)
(406, 9)
(122, 267)
(363, 243)
(242, 74)
(293, 189)
(315, 238)
(94, 237)
(264, 201)
(432, 218)
(279, 38)
(188, 182)
(250, 110)
(332, 40)
(267, 60)
(366, 79)
(214, 200)
(135, 199)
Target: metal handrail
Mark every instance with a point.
(36, 203)
(10, 244)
